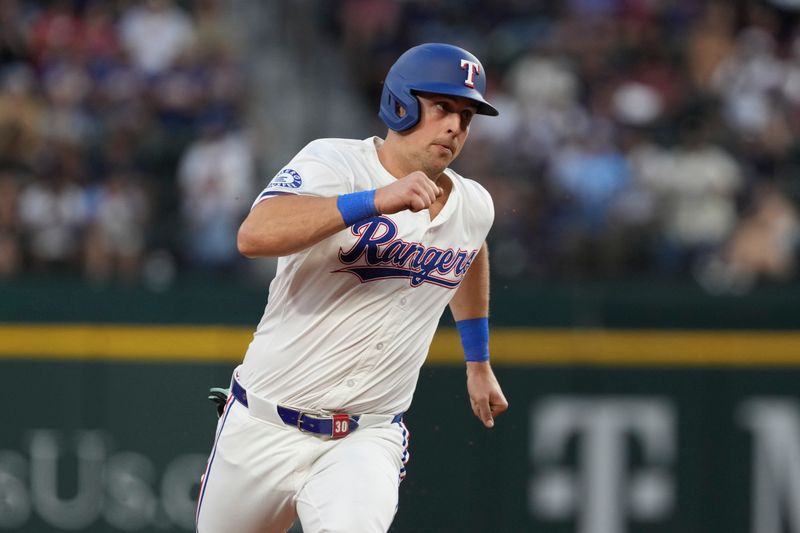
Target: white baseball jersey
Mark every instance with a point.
(349, 320)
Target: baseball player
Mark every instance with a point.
(375, 238)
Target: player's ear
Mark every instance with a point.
(399, 110)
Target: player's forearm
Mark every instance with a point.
(288, 224)
(471, 300)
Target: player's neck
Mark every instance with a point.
(391, 160)
(396, 164)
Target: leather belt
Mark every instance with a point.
(334, 426)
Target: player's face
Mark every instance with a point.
(441, 132)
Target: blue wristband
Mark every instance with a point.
(474, 338)
(357, 206)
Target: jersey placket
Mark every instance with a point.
(425, 232)
(368, 363)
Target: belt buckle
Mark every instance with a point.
(340, 425)
(300, 416)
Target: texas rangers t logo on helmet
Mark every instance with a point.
(473, 69)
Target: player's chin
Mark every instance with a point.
(441, 160)
(435, 170)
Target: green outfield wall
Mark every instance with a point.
(619, 304)
(619, 422)
(597, 440)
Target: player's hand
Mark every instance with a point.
(414, 192)
(485, 395)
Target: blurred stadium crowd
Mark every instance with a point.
(636, 137)
(119, 136)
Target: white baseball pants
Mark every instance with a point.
(262, 475)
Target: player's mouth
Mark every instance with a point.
(449, 149)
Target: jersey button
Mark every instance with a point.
(403, 301)
(351, 383)
(379, 346)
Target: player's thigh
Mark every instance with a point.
(250, 482)
(353, 487)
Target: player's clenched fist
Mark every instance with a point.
(414, 192)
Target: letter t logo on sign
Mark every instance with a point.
(473, 69)
(605, 486)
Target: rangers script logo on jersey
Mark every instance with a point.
(388, 257)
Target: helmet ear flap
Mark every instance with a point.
(399, 111)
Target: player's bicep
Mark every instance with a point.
(287, 224)
(279, 210)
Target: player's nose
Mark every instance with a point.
(448, 121)
(455, 123)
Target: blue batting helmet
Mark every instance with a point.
(431, 68)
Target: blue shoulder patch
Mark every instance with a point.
(287, 178)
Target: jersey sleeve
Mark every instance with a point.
(488, 210)
(479, 206)
(316, 170)
(488, 206)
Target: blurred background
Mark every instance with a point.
(637, 138)
(645, 169)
